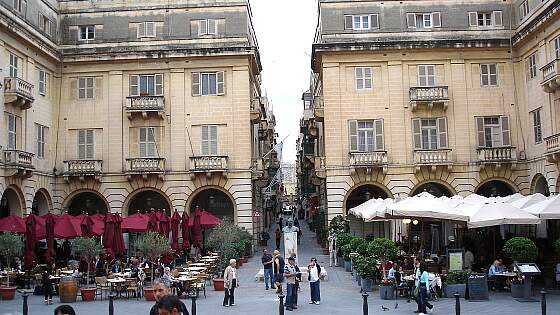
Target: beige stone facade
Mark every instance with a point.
(139, 106)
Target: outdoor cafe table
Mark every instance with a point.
(196, 268)
(67, 272)
(197, 265)
(116, 283)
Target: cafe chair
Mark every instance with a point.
(132, 287)
(101, 285)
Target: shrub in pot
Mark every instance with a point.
(384, 250)
(346, 250)
(358, 265)
(368, 272)
(152, 245)
(522, 250)
(10, 245)
(456, 282)
(87, 248)
(227, 254)
(387, 289)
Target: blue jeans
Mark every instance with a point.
(268, 277)
(315, 291)
(290, 293)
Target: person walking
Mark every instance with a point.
(267, 261)
(278, 270)
(278, 236)
(290, 275)
(313, 274)
(423, 283)
(230, 283)
(298, 280)
(47, 286)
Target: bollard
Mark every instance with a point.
(193, 305)
(543, 302)
(281, 307)
(25, 307)
(365, 310)
(457, 304)
(111, 306)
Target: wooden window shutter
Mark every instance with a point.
(411, 20)
(348, 22)
(150, 29)
(142, 139)
(81, 144)
(436, 19)
(134, 85)
(202, 27)
(416, 134)
(195, 84)
(213, 137)
(473, 19)
(498, 20)
(379, 145)
(140, 30)
(353, 135)
(374, 21)
(442, 132)
(480, 131)
(220, 78)
(90, 142)
(204, 141)
(212, 26)
(133, 142)
(98, 88)
(159, 84)
(504, 124)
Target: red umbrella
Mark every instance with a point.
(13, 224)
(118, 240)
(109, 234)
(98, 223)
(207, 220)
(67, 227)
(135, 223)
(163, 222)
(196, 229)
(30, 239)
(49, 234)
(175, 221)
(153, 222)
(87, 226)
(186, 231)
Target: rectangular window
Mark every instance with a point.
(488, 75)
(208, 27)
(557, 47)
(14, 65)
(523, 9)
(366, 135)
(41, 138)
(87, 32)
(147, 142)
(86, 144)
(532, 66)
(423, 20)
(484, 19)
(44, 24)
(364, 80)
(12, 132)
(209, 140)
(429, 133)
(493, 132)
(361, 22)
(146, 84)
(537, 126)
(86, 86)
(426, 75)
(43, 82)
(208, 83)
(146, 29)
(20, 5)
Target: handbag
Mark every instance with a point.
(416, 292)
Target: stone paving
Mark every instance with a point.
(340, 295)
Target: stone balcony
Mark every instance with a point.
(83, 168)
(145, 166)
(320, 166)
(433, 159)
(145, 105)
(209, 164)
(369, 160)
(257, 169)
(256, 114)
(18, 92)
(319, 108)
(551, 76)
(20, 161)
(553, 148)
(429, 96)
(496, 156)
(263, 129)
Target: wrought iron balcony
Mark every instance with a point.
(553, 148)
(319, 108)
(433, 158)
(256, 114)
(211, 163)
(372, 159)
(429, 96)
(83, 168)
(496, 156)
(20, 161)
(145, 166)
(144, 105)
(551, 76)
(18, 92)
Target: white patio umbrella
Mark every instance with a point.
(528, 200)
(377, 210)
(359, 209)
(511, 198)
(496, 213)
(425, 205)
(473, 199)
(548, 209)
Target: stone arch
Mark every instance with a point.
(354, 195)
(100, 204)
(539, 184)
(42, 202)
(436, 187)
(155, 198)
(496, 187)
(12, 201)
(219, 210)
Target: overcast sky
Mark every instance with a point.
(285, 31)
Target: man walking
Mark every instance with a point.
(290, 275)
(278, 269)
(333, 250)
(267, 261)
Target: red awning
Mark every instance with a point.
(67, 227)
(135, 223)
(13, 224)
(207, 220)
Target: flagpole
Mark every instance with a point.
(267, 153)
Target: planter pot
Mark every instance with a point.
(88, 294)
(386, 292)
(348, 265)
(7, 293)
(451, 289)
(517, 291)
(218, 284)
(367, 285)
(149, 294)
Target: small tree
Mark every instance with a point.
(152, 246)
(520, 249)
(10, 245)
(87, 248)
(383, 249)
(557, 246)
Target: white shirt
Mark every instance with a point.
(313, 274)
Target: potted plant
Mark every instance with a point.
(227, 254)
(87, 248)
(346, 250)
(152, 245)
(456, 282)
(384, 250)
(358, 264)
(387, 289)
(10, 245)
(520, 250)
(368, 272)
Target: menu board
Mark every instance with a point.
(455, 261)
(478, 287)
(528, 268)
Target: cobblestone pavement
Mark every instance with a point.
(340, 295)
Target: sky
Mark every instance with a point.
(285, 31)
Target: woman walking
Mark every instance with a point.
(47, 286)
(230, 283)
(313, 274)
(423, 284)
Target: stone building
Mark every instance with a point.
(450, 97)
(125, 106)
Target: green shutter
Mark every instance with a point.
(504, 124)
(416, 134)
(353, 135)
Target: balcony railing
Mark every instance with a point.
(319, 108)
(553, 147)
(83, 167)
(368, 159)
(429, 95)
(496, 155)
(208, 163)
(145, 105)
(18, 92)
(257, 168)
(145, 165)
(551, 76)
(18, 159)
(433, 158)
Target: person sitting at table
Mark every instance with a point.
(117, 268)
(496, 268)
(172, 281)
(75, 270)
(17, 265)
(99, 266)
(407, 265)
(392, 271)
